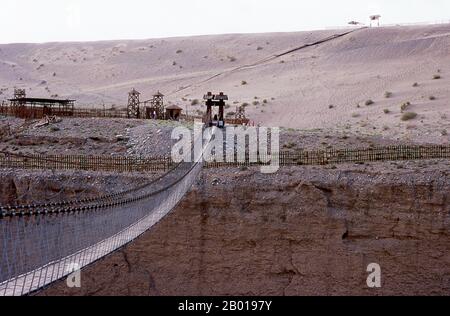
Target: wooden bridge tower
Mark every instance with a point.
(133, 104)
(215, 100)
(156, 108)
(17, 105)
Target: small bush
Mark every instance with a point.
(356, 115)
(386, 111)
(259, 48)
(415, 85)
(265, 101)
(369, 102)
(444, 132)
(243, 82)
(245, 104)
(195, 102)
(387, 94)
(289, 145)
(408, 116)
(331, 106)
(436, 77)
(179, 51)
(255, 102)
(405, 106)
(432, 97)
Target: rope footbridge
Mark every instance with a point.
(41, 243)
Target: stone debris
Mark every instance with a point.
(48, 120)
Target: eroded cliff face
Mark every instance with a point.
(18, 187)
(298, 232)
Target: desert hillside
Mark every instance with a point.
(322, 86)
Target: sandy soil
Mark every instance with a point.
(323, 86)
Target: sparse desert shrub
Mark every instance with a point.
(245, 104)
(243, 82)
(174, 63)
(408, 116)
(227, 106)
(331, 106)
(289, 145)
(231, 58)
(179, 51)
(231, 113)
(356, 115)
(444, 132)
(255, 102)
(369, 102)
(265, 101)
(387, 94)
(386, 111)
(256, 98)
(259, 48)
(195, 102)
(432, 97)
(282, 62)
(436, 77)
(415, 84)
(405, 106)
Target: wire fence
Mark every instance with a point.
(40, 244)
(88, 163)
(340, 156)
(165, 163)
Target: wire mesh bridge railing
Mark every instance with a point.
(42, 243)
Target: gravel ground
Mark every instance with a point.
(103, 136)
(425, 170)
(87, 136)
(152, 138)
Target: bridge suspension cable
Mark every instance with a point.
(42, 243)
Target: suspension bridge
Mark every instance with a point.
(42, 243)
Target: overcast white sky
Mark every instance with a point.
(85, 20)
